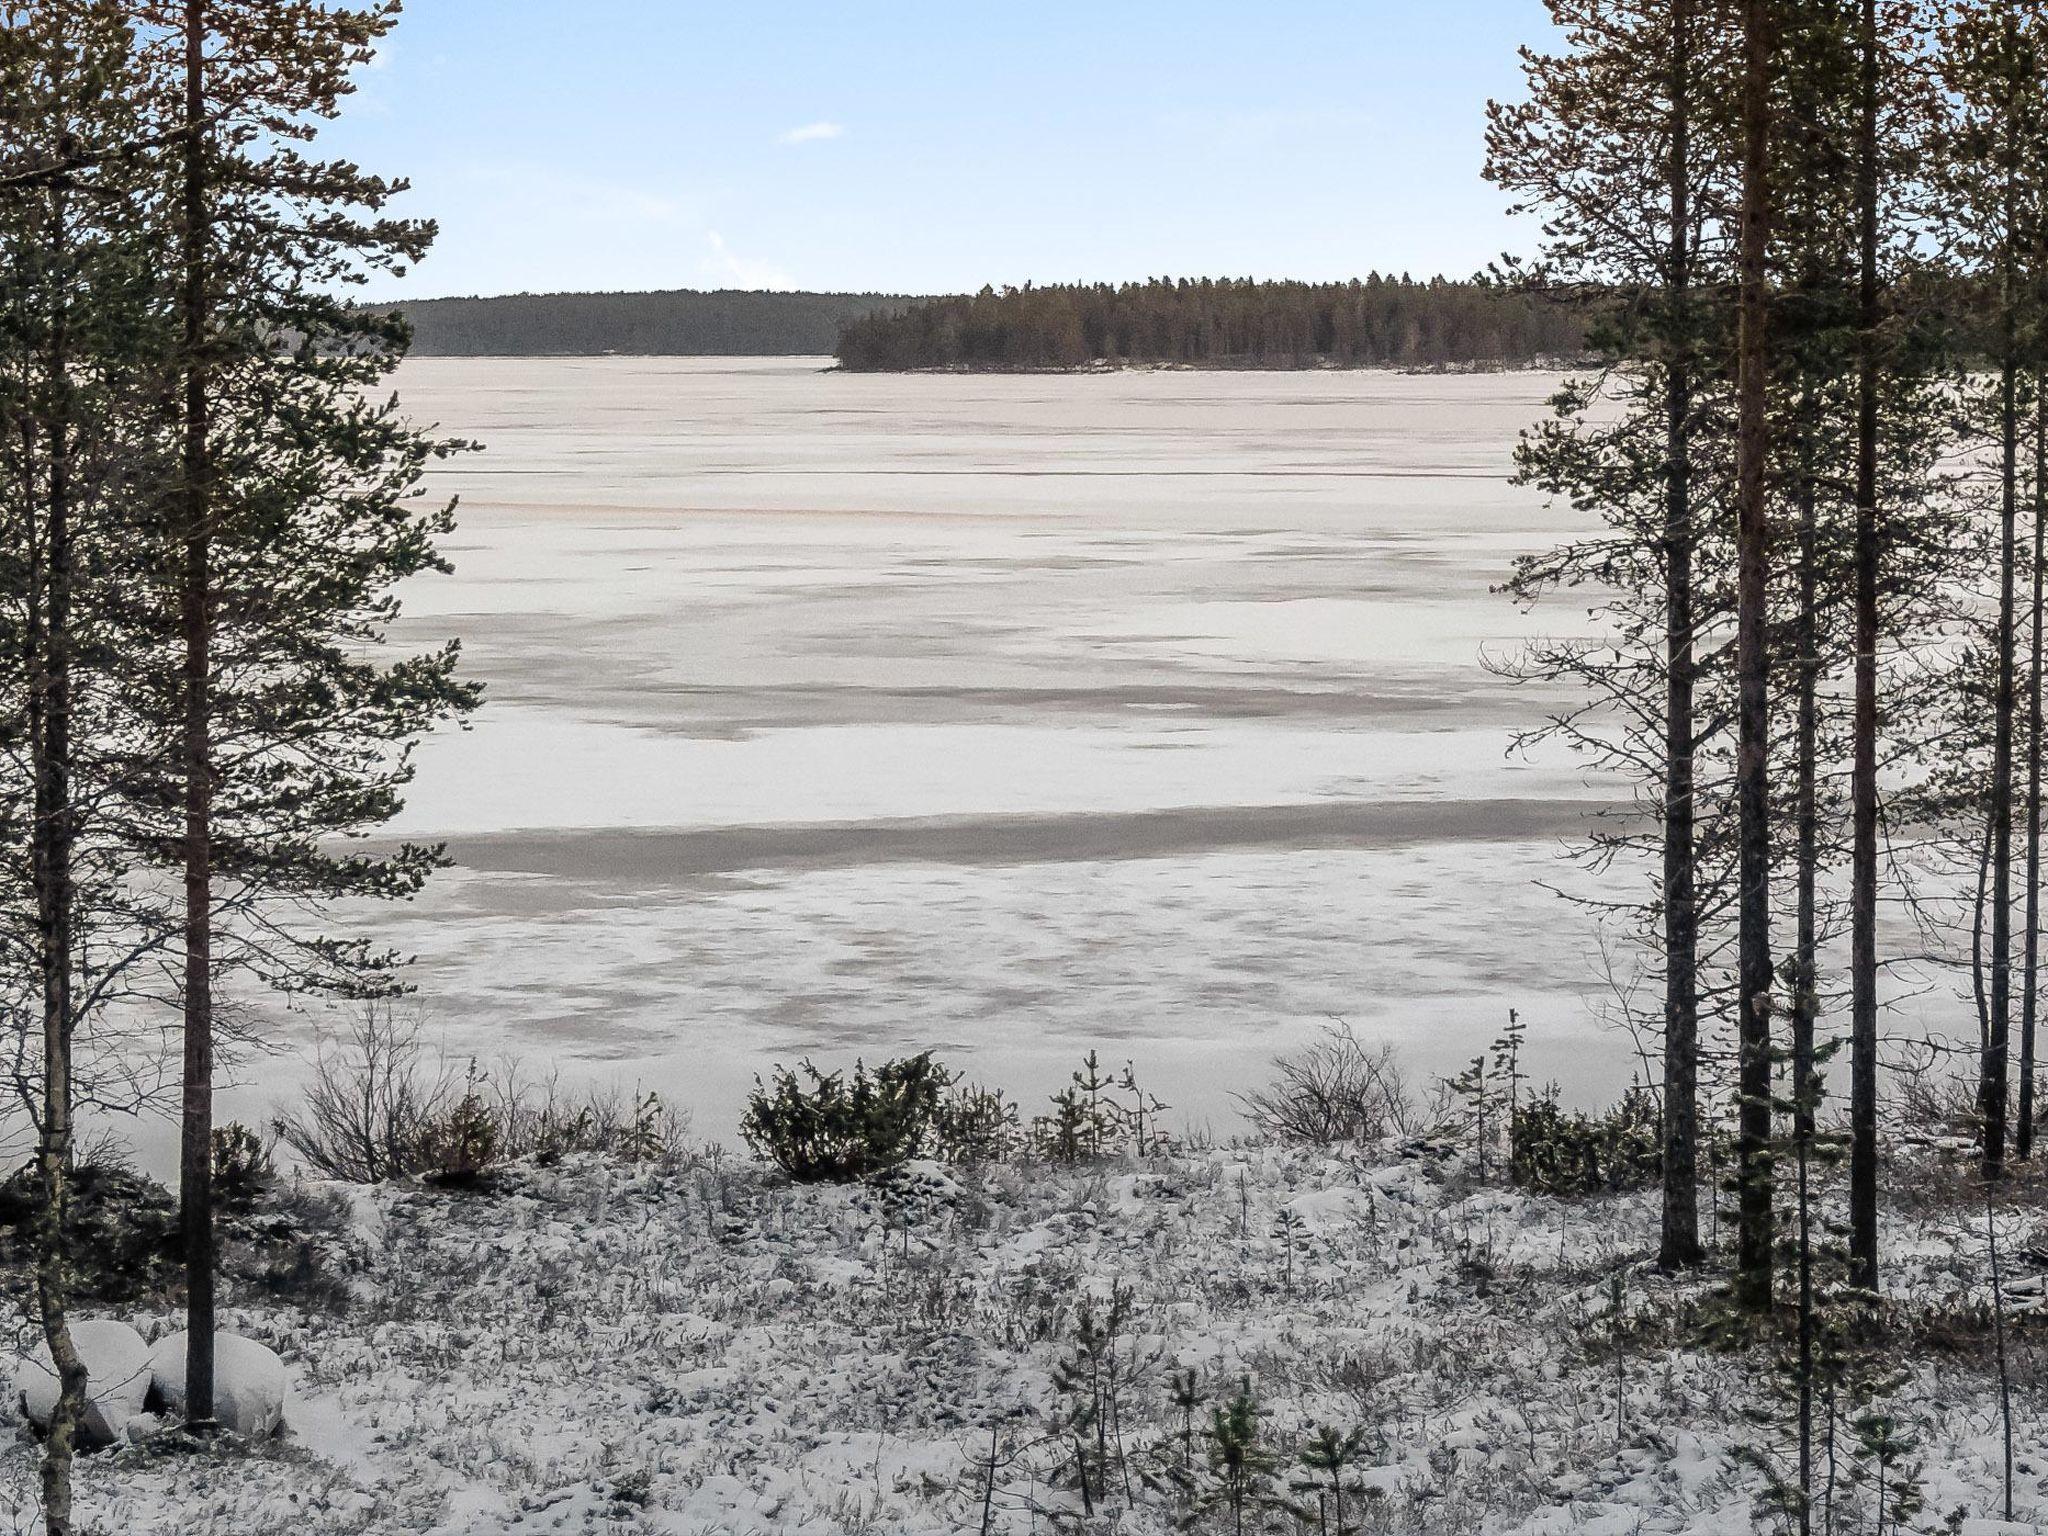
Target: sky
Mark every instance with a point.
(913, 146)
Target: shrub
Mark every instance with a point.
(1333, 1089)
(839, 1129)
(371, 1100)
(242, 1169)
(1098, 1116)
(1555, 1153)
(381, 1106)
(976, 1125)
(460, 1147)
(122, 1234)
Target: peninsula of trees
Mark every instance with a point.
(684, 322)
(1371, 322)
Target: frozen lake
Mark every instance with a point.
(840, 714)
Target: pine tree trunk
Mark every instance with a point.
(1680, 1240)
(2023, 1132)
(195, 1185)
(1863, 787)
(1752, 766)
(51, 859)
(1993, 1085)
(1805, 996)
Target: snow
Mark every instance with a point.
(117, 1379)
(699, 1347)
(826, 720)
(248, 1382)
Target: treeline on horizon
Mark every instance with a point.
(1376, 321)
(726, 322)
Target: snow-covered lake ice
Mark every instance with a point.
(838, 714)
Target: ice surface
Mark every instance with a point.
(845, 713)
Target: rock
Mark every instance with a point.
(117, 1380)
(248, 1383)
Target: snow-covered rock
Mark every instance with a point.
(248, 1382)
(117, 1379)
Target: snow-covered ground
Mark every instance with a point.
(699, 1347)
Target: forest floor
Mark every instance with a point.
(699, 1346)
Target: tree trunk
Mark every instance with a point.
(1680, 1242)
(1863, 787)
(1993, 1085)
(51, 856)
(1805, 994)
(2023, 1132)
(195, 1185)
(1752, 766)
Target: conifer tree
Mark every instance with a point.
(1870, 78)
(1635, 87)
(292, 515)
(74, 453)
(1993, 171)
(1759, 33)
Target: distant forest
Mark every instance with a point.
(1372, 322)
(679, 323)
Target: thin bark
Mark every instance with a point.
(1863, 1271)
(2023, 1131)
(1993, 1086)
(52, 871)
(1805, 996)
(1680, 1240)
(195, 1183)
(1752, 768)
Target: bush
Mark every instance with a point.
(1098, 1116)
(382, 1106)
(1555, 1153)
(837, 1129)
(1333, 1089)
(976, 1125)
(370, 1102)
(460, 1147)
(242, 1169)
(122, 1236)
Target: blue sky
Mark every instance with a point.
(915, 146)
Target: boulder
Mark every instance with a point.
(117, 1366)
(248, 1383)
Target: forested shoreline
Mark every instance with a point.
(1371, 322)
(684, 322)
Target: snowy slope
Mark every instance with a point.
(703, 1348)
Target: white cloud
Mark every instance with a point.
(724, 264)
(811, 132)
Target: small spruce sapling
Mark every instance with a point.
(1325, 1459)
(1289, 1228)
(1886, 1461)
(1241, 1467)
(1475, 1088)
(1185, 1391)
(1095, 1380)
(1507, 1064)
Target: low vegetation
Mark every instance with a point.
(1064, 1322)
(383, 1105)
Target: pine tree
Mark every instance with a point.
(1759, 30)
(1636, 87)
(291, 517)
(74, 318)
(1994, 158)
